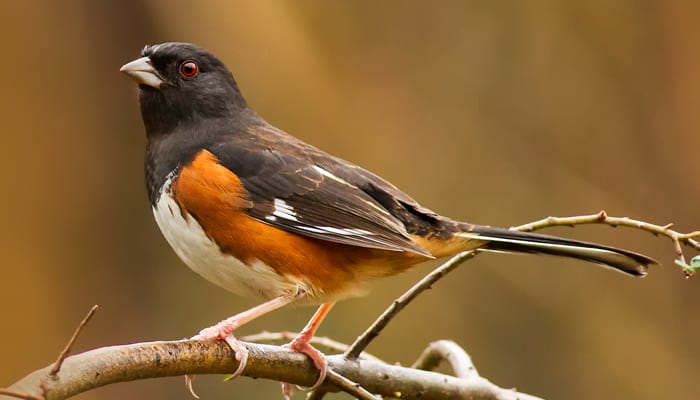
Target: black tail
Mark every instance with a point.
(500, 239)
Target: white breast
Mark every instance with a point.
(186, 236)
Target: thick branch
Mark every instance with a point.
(319, 341)
(450, 352)
(106, 365)
(148, 360)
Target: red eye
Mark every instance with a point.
(189, 69)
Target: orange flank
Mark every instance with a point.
(213, 195)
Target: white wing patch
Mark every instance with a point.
(344, 231)
(337, 231)
(284, 211)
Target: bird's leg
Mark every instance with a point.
(301, 345)
(224, 330)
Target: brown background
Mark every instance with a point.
(497, 112)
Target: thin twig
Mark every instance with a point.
(367, 336)
(603, 218)
(7, 392)
(349, 386)
(328, 343)
(452, 353)
(600, 218)
(679, 239)
(71, 342)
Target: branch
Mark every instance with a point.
(380, 323)
(66, 350)
(286, 337)
(449, 351)
(602, 217)
(107, 365)
(459, 360)
(130, 362)
(13, 394)
(679, 239)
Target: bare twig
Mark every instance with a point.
(16, 395)
(679, 239)
(349, 386)
(99, 367)
(373, 331)
(328, 343)
(600, 218)
(71, 342)
(447, 350)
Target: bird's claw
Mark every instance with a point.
(319, 359)
(188, 385)
(221, 332)
(241, 355)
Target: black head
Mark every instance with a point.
(180, 83)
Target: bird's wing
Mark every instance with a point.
(294, 192)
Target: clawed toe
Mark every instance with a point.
(316, 356)
(188, 385)
(241, 355)
(239, 349)
(224, 331)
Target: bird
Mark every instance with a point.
(261, 213)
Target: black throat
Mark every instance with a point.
(167, 152)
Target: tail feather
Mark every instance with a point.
(500, 239)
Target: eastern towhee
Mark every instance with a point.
(259, 212)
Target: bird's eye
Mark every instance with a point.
(189, 69)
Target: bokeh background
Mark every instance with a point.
(496, 112)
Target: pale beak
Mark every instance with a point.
(141, 70)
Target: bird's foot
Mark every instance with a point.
(222, 331)
(301, 344)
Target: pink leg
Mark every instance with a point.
(224, 330)
(301, 345)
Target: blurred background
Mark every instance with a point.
(495, 112)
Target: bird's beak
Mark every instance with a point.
(141, 70)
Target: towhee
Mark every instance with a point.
(259, 212)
